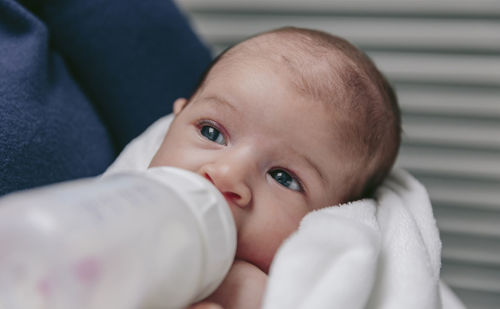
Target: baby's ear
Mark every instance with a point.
(179, 105)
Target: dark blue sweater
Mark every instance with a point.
(80, 78)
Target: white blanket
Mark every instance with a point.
(382, 253)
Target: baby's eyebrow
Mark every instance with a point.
(311, 163)
(220, 100)
(315, 167)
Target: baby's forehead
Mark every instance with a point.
(315, 79)
(281, 49)
(313, 71)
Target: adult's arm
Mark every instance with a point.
(133, 58)
(80, 78)
(49, 130)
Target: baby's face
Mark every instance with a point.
(270, 152)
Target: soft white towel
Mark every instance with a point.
(137, 155)
(373, 253)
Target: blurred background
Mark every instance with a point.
(443, 57)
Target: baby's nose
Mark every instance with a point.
(231, 183)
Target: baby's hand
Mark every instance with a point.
(243, 288)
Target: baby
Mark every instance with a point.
(284, 123)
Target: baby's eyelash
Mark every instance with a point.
(204, 122)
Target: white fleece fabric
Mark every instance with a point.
(374, 253)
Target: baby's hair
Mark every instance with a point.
(331, 70)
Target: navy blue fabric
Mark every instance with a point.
(80, 79)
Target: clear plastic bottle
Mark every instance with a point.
(163, 238)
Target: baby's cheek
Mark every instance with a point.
(256, 254)
(237, 217)
(258, 250)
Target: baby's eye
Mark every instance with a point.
(213, 134)
(285, 179)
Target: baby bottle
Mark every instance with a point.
(161, 238)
